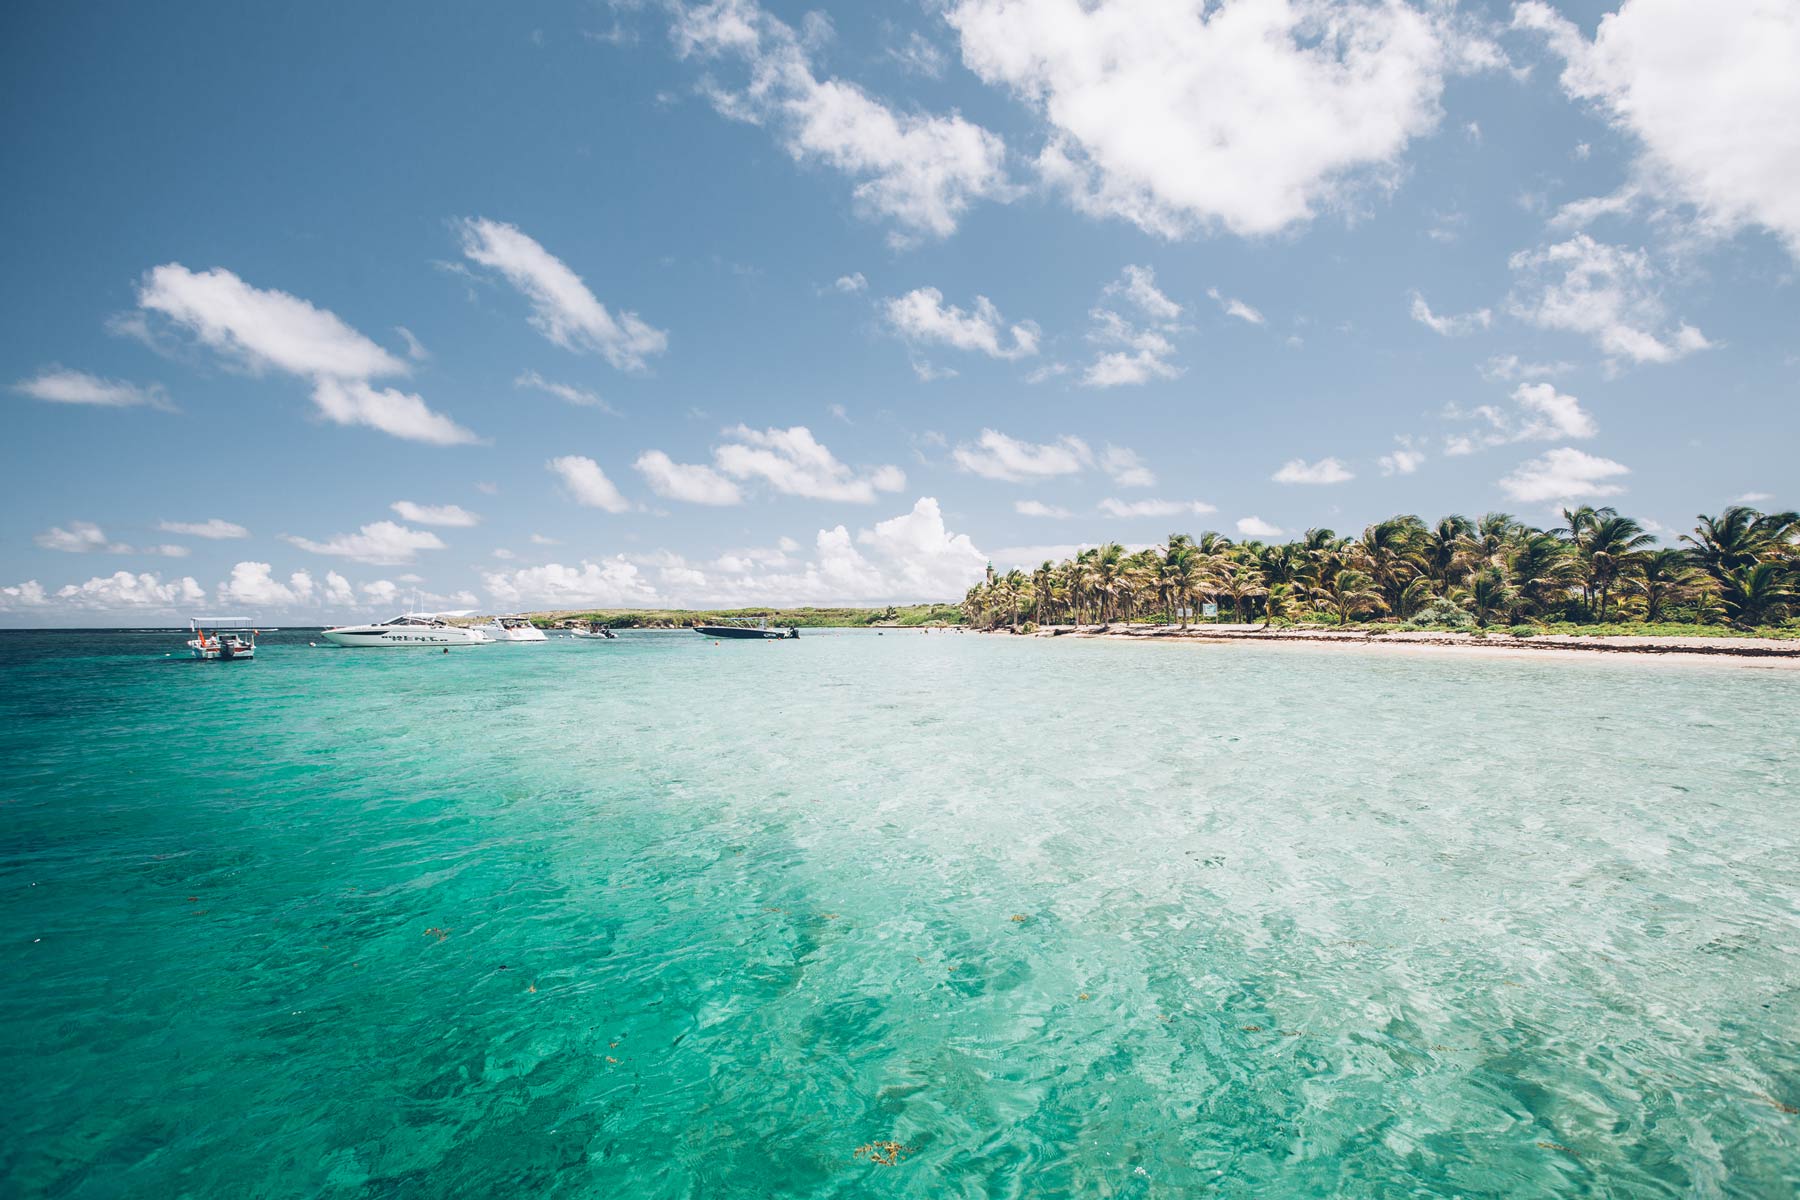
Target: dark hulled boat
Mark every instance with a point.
(745, 630)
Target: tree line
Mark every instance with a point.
(1740, 567)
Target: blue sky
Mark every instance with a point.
(522, 306)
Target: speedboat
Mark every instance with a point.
(594, 630)
(413, 630)
(221, 645)
(743, 629)
(512, 629)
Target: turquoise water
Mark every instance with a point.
(667, 919)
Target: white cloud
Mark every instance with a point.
(919, 558)
(1326, 470)
(1132, 353)
(1256, 527)
(538, 539)
(262, 329)
(123, 590)
(795, 463)
(403, 414)
(563, 309)
(503, 554)
(1178, 114)
(852, 283)
(1507, 367)
(61, 385)
(1709, 90)
(568, 393)
(415, 349)
(1234, 307)
(921, 316)
(587, 483)
(690, 482)
(20, 596)
(215, 529)
(1126, 467)
(1607, 293)
(1563, 474)
(1403, 460)
(918, 56)
(1449, 326)
(1153, 508)
(1754, 498)
(1553, 415)
(1037, 508)
(259, 329)
(254, 584)
(997, 456)
(930, 374)
(918, 170)
(81, 537)
(609, 582)
(382, 543)
(337, 591)
(165, 550)
(453, 515)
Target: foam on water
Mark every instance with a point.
(662, 918)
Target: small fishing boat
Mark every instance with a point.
(410, 630)
(594, 631)
(742, 628)
(512, 629)
(215, 641)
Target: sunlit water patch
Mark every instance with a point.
(910, 915)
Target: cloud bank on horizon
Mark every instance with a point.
(749, 308)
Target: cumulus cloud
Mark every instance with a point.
(587, 484)
(21, 596)
(1607, 293)
(1234, 307)
(795, 463)
(1326, 470)
(1256, 527)
(918, 170)
(1403, 461)
(852, 283)
(563, 309)
(381, 543)
(1136, 349)
(453, 515)
(1563, 474)
(254, 584)
(994, 455)
(259, 330)
(1708, 90)
(922, 316)
(691, 483)
(81, 537)
(1126, 467)
(567, 393)
(1154, 508)
(1037, 508)
(124, 591)
(1449, 326)
(1178, 114)
(612, 582)
(61, 385)
(213, 529)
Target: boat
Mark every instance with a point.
(221, 644)
(512, 629)
(410, 630)
(593, 630)
(742, 628)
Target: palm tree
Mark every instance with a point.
(1389, 554)
(1609, 546)
(1738, 537)
(1758, 594)
(1443, 548)
(1489, 594)
(1543, 570)
(1348, 591)
(1043, 588)
(1664, 577)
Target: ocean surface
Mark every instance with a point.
(904, 915)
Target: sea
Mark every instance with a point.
(894, 914)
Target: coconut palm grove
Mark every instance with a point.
(1738, 570)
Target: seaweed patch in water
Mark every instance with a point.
(884, 1154)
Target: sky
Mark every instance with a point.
(319, 313)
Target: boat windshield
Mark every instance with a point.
(409, 619)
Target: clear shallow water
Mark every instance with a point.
(659, 918)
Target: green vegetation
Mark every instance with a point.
(905, 615)
(1596, 573)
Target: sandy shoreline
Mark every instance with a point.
(1765, 652)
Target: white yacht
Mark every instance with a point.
(428, 630)
(222, 639)
(512, 629)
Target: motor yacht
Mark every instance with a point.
(512, 629)
(409, 630)
(594, 630)
(212, 643)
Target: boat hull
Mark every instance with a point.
(405, 639)
(740, 631)
(515, 635)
